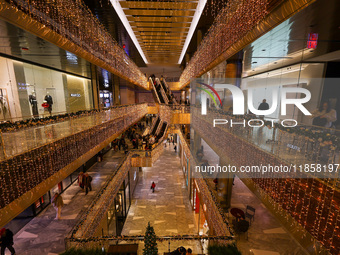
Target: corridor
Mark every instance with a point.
(44, 235)
(168, 209)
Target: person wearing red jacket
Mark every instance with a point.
(153, 186)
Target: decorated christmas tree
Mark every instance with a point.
(150, 244)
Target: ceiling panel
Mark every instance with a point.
(160, 24)
(187, 5)
(159, 19)
(160, 27)
(158, 12)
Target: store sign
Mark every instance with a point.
(312, 40)
(75, 95)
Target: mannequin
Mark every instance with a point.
(34, 103)
(49, 100)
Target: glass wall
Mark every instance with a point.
(303, 75)
(28, 91)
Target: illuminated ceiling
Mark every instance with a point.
(160, 30)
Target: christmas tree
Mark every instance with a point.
(150, 244)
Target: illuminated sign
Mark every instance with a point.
(75, 95)
(312, 40)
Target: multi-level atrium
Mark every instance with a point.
(146, 127)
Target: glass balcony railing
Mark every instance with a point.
(16, 142)
(302, 146)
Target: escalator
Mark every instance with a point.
(161, 92)
(170, 96)
(155, 127)
(162, 131)
(155, 93)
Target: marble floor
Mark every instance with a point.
(45, 235)
(167, 209)
(266, 235)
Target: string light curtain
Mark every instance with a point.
(22, 173)
(312, 203)
(232, 23)
(73, 20)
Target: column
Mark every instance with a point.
(225, 186)
(197, 142)
(116, 89)
(95, 86)
(233, 74)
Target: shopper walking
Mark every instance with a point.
(175, 148)
(81, 180)
(57, 202)
(6, 241)
(87, 184)
(153, 186)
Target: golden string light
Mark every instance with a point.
(313, 203)
(231, 24)
(73, 20)
(44, 161)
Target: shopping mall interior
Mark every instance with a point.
(170, 127)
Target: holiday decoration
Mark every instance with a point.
(311, 198)
(150, 244)
(20, 173)
(232, 23)
(76, 25)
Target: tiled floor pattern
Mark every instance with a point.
(45, 235)
(168, 209)
(266, 235)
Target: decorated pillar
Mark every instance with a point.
(116, 89)
(225, 186)
(233, 74)
(197, 142)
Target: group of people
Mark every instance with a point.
(170, 140)
(181, 251)
(185, 102)
(138, 141)
(84, 181)
(119, 143)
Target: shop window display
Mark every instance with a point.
(4, 107)
(30, 91)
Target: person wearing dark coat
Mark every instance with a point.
(87, 183)
(6, 241)
(264, 105)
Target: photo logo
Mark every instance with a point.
(238, 99)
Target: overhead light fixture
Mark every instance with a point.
(195, 19)
(116, 5)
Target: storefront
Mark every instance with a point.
(117, 213)
(199, 209)
(184, 164)
(28, 90)
(38, 206)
